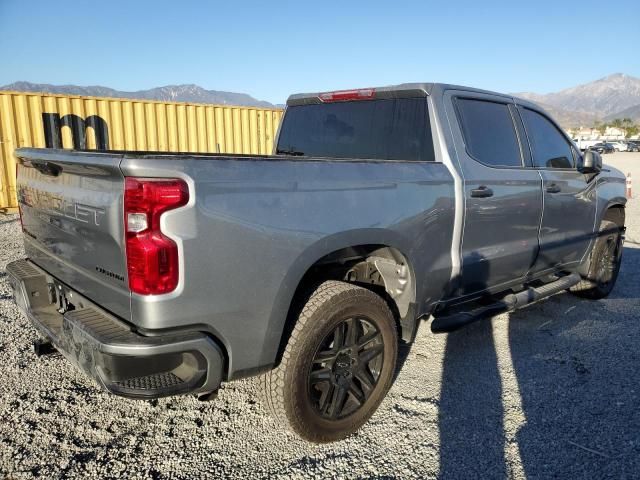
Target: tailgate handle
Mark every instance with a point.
(48, 168)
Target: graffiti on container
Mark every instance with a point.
(53, 124)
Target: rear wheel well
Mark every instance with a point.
(379, 268)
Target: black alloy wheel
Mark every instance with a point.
(346, 368)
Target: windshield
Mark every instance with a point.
(389, 129)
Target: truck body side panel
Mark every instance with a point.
(258, 226)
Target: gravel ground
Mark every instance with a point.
(553, 391)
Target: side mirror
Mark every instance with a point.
(591, 162)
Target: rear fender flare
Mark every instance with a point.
(309, 257)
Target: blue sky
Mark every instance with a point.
(271, 49)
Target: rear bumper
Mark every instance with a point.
(121, 360)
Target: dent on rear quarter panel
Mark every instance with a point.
(260, 224)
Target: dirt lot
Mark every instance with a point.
(550, 391)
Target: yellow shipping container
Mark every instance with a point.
(67, 121)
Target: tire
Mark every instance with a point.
(323, 371)
(604, 267)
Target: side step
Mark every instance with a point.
(513, 301)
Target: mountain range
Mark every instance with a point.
(614, 96)
(170, 93)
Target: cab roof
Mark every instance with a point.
(403, 90)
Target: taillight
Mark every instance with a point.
(348, 95)
(152, 257)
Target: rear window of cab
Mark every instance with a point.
(382, 129)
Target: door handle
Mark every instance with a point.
(482, 192)
(553, 188)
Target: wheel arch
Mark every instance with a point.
(614, 212)
(331, 258)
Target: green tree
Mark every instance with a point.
(617, 123)
(629, 126)
(601, 127)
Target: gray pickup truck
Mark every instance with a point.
(162, 274)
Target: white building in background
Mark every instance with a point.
(589, 134)
(585, 133)
(613, 133)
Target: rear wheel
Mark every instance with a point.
(605, 263)
(338, 364)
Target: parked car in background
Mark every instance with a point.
(603, 147)
(619, 146)
(584, 145)
(633, 146)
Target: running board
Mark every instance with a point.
(513, 301)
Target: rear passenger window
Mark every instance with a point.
(489, 133)
(549, 147)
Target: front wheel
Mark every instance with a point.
(606, 257)
(338, 364)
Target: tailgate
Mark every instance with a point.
(71, 204)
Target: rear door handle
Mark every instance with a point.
(553, 188)
(482, 192)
